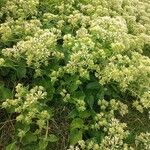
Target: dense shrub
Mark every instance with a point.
(89, 56)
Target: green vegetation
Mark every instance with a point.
(74, 74)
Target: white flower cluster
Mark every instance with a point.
(18, 28)
(107, 112)
(28, 105)
(113, 141)
(127, 71)
(143, 141)
(65, 95)
(20, 9)
(80, 105)
(2, 62)
(115, 137)
(36, 50)
(144, 102)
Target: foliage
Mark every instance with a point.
(90, 56)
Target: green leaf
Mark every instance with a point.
(4, 71)
(77, 123)
(93, 85)
(100, 94)
(85, 114)
(11, 146)
(5, 93)
(75, 136)
(73, 113)
(73, 87)
(21, 72)
(22, 126)
(99, 135)
(33, 146)
(43, 144)
(29, 138)
(90, 100)
(79, 95)
(52, 138)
